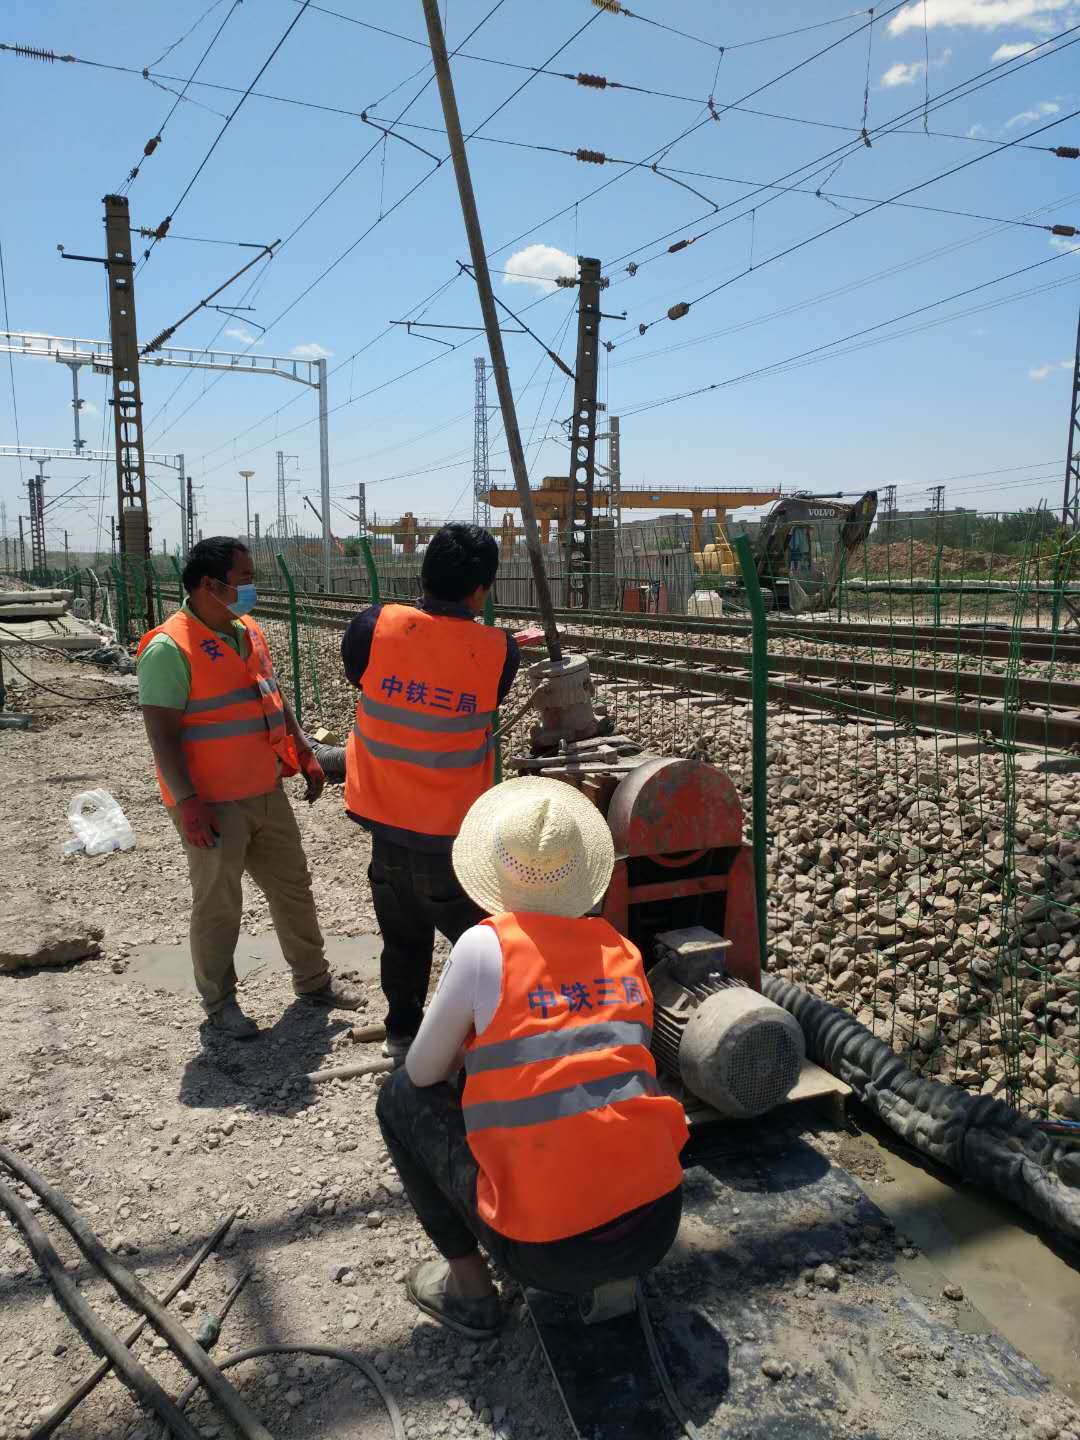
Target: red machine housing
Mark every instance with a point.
(680, 859)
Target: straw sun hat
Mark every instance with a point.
(534, 845)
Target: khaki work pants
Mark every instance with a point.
(259, 836)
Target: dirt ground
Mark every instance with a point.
(156, 1131)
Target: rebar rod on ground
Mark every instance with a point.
(139, 1381)
(134, 1294)
(60, 1412)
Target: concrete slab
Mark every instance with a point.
(168, 967)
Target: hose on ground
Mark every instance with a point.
(60, 1412)
(98, 1335)
(982, 1139)
(133, 1293)
(330, 1352)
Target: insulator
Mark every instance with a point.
(611, 6)
(32, 52)
(1067, 152)
(565, 282)
(591, 157)
(632, 268)
(641, 329)
(678, 311)
(1067, 230)
(679, 245)
(163, 229)
(151, 145)
(596, 82)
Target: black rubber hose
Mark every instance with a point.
(60, 1412)
(982, 1139)
(104, 1341)
(332, 1353)
(139, 1298)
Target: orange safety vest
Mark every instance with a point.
(233, 727)
(421, 749)
(562, 1108)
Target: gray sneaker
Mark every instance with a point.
(478, 1319)
(334, 995)
(232, 1021)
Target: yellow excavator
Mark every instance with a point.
(800, 550)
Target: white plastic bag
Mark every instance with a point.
(99, 824)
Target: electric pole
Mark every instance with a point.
(133, 510)
(67, 561)
(246, 475)
(937, 508)
(888, 507)
(22, 548)
(112, 536)
(486, 295)
(1070, 510)
(361, 509)
(190, 538)
(36, 487)
(256, 527)
(583, 437)
(481, 455)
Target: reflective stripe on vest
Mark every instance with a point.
(562, 1084)
(233, 734)
(420, 750)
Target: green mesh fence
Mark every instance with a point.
(922, 715)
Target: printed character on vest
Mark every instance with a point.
(421, 751)
(223, 738)
(560, 1153)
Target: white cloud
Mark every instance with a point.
(1010, 52)
(901, 74)
(974, 131)
(1040, 372)
(1062, 242)
(977, 14)
(242, 335)
(1037, 112)
(539, 266)
(312, 350)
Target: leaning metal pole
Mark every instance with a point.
(491, 324)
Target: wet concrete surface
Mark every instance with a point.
(1015, 1280)
(168, 967)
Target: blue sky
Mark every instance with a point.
(986, 392)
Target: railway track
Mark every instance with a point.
(1042, 711)
(985, 642)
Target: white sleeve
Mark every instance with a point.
(464, 1002)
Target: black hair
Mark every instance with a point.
(213, 558)
(458, 559)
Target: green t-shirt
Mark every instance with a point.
(164, 674)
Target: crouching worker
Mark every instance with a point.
(223, 736)
(561, 1154)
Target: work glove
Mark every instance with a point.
(314, 775)
(198, 823)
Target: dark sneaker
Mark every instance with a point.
(232, 1021)
(335, 995)
(478, 1319)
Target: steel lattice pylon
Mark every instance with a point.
(1070, 510)
(481, 457)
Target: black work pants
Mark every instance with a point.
(415, 893)
(424, 1130)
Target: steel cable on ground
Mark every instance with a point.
(803, 356)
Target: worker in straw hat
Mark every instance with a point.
(560, 1154)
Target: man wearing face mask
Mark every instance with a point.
(223, 737)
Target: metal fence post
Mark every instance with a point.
(179, 580)
(369, 565)
(489, 619)
(294, 637)
(759, 687)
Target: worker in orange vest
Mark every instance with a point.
(561, 1154)
(421, 751)
(223, 738)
